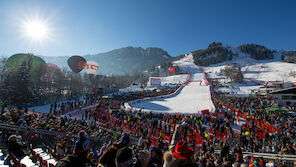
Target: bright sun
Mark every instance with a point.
(36, 30)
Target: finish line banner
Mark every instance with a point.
(154, 81)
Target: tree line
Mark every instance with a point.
(215, 53)
(16, 87)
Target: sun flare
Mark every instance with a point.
(36, 30)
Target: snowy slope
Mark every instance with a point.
(190, 99)
(265, 70)
(274, 71)
(175, 79)
(254, 71)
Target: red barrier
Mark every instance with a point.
(188, 79)
(205, 112)
(265, 125)
(203, 75)
(220, 135)
(260, 132)
(198, 139)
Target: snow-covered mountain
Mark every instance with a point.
(274, 69)
(259, 65)
(121, 61)
(60, 61)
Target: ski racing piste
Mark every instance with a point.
(190, 98)
(129, 103)
(252, 79)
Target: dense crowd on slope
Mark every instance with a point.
(176, 150)
(280, 141)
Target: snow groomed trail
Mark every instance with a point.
(190, 99)
(252, 78)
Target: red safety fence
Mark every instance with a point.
(188, 79)
(217, 134)
(262, 124)
(203, 75)
(155, 133)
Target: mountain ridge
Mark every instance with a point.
(121, 61)
(217, 53)
(127, 60)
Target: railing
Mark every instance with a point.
(270, 155)
(288, 160)
(49, 137)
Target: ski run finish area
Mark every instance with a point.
(190, 99)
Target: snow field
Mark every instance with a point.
(190, 99)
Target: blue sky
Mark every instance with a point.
(178, 26)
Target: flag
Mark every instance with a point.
(237, 118)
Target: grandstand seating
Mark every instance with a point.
(2, 159)
(46, 159)
(27, 162)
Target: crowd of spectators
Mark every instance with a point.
(105, 134)
(281, 140)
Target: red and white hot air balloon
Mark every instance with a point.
(91, 67)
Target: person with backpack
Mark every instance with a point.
(108, 158)
(79, 157)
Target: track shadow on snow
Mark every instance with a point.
(255, 72)
(176, 94)
(149, 105)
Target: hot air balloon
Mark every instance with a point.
(34, 64)
(91, 67)
(171, 70)
(51, 69)
(76, 63)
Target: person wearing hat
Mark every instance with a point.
(108, 158)
(156, 156)
(79, 157)
(182, 155)
(125, 157)
(15, 147)
(143, 159)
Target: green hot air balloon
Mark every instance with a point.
(35, 65)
